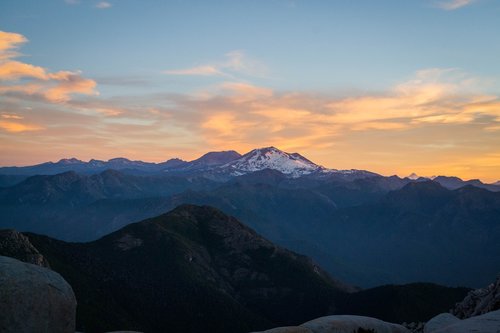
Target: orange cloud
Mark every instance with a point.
(52, 86)
(8, 42)
(70, 83)
(14, 70)
(16, 127)
(434, 96)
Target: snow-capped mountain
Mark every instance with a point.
(413, 176)
(292, 164)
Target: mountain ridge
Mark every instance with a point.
(221, 166)
(222, 163)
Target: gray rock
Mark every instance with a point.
(34, 299)
(14, 244)
(479, 301)
(486, 323)
(288, 329)
(350, 324)
(440, 321)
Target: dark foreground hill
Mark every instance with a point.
(191, 270)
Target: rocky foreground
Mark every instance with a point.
(36, 299)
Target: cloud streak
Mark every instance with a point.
(454, 4)
(236, 62)
(205, 70)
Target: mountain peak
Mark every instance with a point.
(273, 158)
(217, 157)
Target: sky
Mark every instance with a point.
(389, 86)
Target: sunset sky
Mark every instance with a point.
(389, 86)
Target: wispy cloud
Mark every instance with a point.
(454, 4)
(205, 70)
(103, 5)
(235, 62)
(11, 116)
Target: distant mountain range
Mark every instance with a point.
(196, 269)
(222, 164)
(215, 165)
(350, 221)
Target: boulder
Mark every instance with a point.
(486, 323)
(350, 324)
(440, 321)
(34, 299)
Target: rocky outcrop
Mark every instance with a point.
(480, 311)
(34, 299)
(16, 245)
(343, 324)
(479, 301)
(441, 320)
(486, 323)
